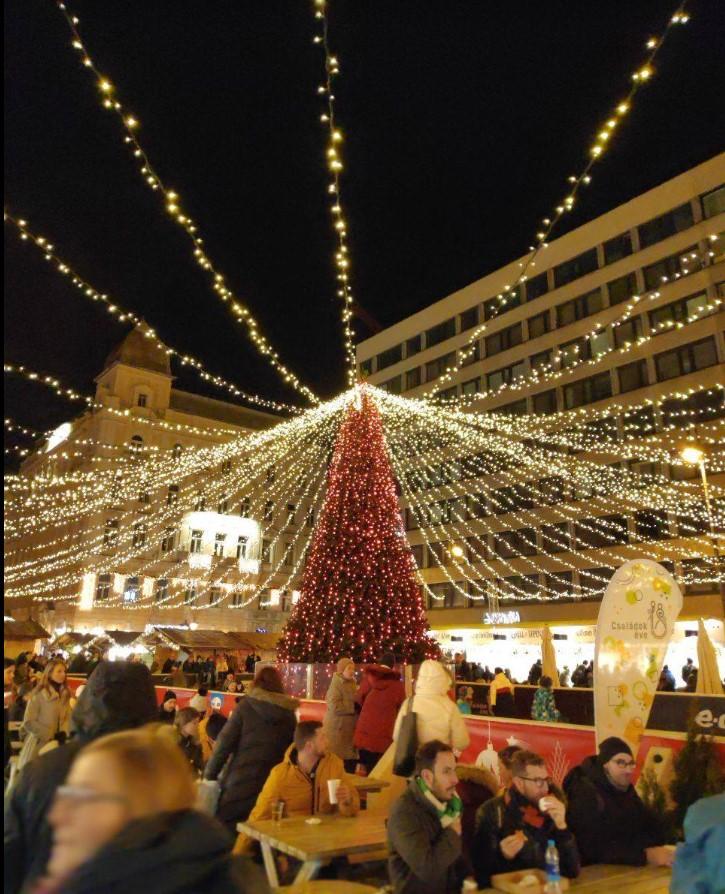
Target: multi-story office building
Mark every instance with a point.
(234, 537)
(666, 246)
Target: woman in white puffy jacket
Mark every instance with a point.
(437, 715)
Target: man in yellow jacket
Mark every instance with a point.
(301, 781)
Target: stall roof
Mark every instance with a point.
(124, 637)
(73, 637)
(264, 641)
(201, 639)
(24, 630)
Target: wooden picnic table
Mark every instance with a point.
(323, 886)
(606, 879)
(367, 784)
(316, 844)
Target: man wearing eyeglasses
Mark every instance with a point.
(512, 830)
(606, 814)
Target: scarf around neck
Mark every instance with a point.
(530, 813)
(448, 811)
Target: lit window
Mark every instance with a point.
(196, 540)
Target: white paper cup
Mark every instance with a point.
(332, 787)
(543, 804)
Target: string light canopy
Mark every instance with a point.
(469, 482)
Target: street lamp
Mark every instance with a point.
(693, 454)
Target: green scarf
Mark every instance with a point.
(448, 811)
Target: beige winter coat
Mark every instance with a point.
(46, 715)
(340, 719)
(438, 716)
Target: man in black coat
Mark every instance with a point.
(256, 737)
(117, 696)
(424, 828)
(607, 816)
(513, 830)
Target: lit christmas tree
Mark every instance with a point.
(360, 596)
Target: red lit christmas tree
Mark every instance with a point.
(359, 593)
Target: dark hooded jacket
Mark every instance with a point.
(256, 737)
(117, 696)
(380, 696)
(171, 853)
(610, 826)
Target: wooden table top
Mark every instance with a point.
(334, 836)
(605, 879)
(324, 886)
(369, 784)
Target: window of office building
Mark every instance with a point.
(412, 378)
(266, 552)
(189, 594)
(436, 334)
(651, 524)
(545, 401)
(242, 543)
(628, 332)
(219, 541)
(172, 494)
(587, 391)
(633, 375)
(503, 340)
(551, 490)
(576, 267)
(555, 538)
(494, 307)
(103, 587)
(477, 506)
(622, 289)
(559, 585)
(672, 267)
(436, 368)
(139, 534)
(543, 358)
(665, 225)
(539, 325)
(469, 318)
(713, 202)
(537, 286)
(692, 307)
(223, 506)
(195, 543)
(686, 359)
(389, 357)
(393, 386)
(472, 386)
(366, 367)
(639, 423)
(472, 352)
(505, 376)
(579, 308)
(515, 408)
(617, 248)
(167, 541)
(417, 551)
(448, 393)
(413, 345)
(596, 533)
(593, 582)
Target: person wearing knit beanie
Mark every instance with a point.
(167, 709)
(611, 747)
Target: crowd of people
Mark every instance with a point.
(116, 804)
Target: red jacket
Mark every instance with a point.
(380, 696)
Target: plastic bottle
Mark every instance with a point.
(553, 879)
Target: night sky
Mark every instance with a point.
(462, 121)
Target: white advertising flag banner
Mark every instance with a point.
(636, 621)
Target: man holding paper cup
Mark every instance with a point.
(309, 780)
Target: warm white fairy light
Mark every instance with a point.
(639, 78)
(172, 201)
(335, 166)
(121, 315)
